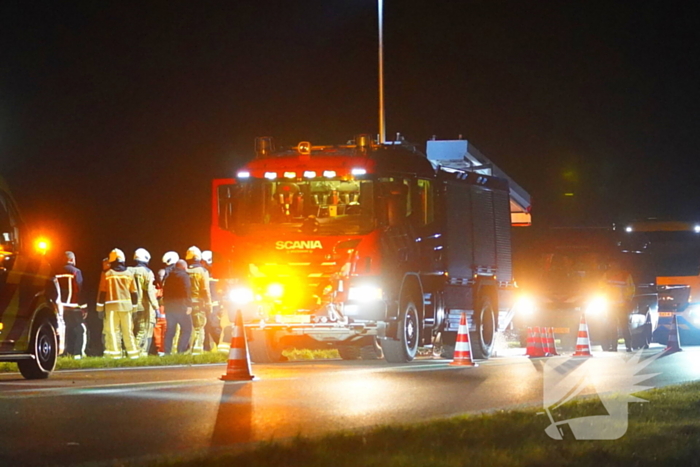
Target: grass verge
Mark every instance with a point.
(65, 363)
(664, 431)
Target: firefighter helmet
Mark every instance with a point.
(207, 257)
(142, 254)
(117, 255)
(170, 258)
(193, 253)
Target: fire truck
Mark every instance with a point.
(28, 309)
(373, 249)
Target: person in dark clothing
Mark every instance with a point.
(177, 297)
(70, 283)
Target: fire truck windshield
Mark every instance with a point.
(320, 207)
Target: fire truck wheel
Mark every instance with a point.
(372, 350)
(482, 337)
(405, 347)
(263, 347)
(349, 352)
(44, 348)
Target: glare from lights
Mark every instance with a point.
(309, 174)
(365, 293)
(241, 295)
(270, 175)
(290, 175)
(697, 229)
(329, 173)
(275, 290)
(597, 306)
(243, 174)
(628, 229)
(42, 245)
(359, 171)
(525, 306)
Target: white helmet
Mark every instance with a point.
(193, 253)
(116, 255)
(207, 257)
(142, 255)
(171, 258)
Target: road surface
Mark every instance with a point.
(86, 416)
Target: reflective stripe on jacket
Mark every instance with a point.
(116, 289)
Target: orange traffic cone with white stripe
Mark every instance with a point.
(238, 367)
(674, 339)
(463, 349)
(534, 344)
(551, 345)
(583, 342)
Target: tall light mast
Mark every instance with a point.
(382, 124)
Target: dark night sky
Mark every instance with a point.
(115, 115)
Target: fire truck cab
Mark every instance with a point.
(28, 311)
(373, 249)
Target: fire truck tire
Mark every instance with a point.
(404, 348)
(44, 349)
(264, 348)
(349, 352)
(483, 337)
(372, 351)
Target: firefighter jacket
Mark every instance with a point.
(618, 286)
(145, 287)
(117, 290)
(199, 276)
(70, 286)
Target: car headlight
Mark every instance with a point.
(598, 305)
(275, 290)
(525, 305)
(365, 293)
(241, 295)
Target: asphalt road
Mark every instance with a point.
(88, 416)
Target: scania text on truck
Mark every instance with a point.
(28, 310)
(368, 248)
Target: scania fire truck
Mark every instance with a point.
(369, 248)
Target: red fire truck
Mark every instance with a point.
(369, 248)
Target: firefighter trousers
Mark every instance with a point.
(115, 323)
(199, 321)
(144, 323)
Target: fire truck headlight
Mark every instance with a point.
(525, 306)
(241, 295)
(365, 293)
(597, 306)
(275, 290)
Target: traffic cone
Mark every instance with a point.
(530, 349)
(583, 342)
(543, 341)
(551, 345)
(238, 367)
(674, 339)
(463, 349)
(534, 345)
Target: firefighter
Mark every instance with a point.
(169, 260)
(213, 326)
(117, 299)
(177, 296)
(620, 290)
(201, 297)
(145, 315)
(70, 285)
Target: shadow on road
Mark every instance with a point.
(234, 420)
